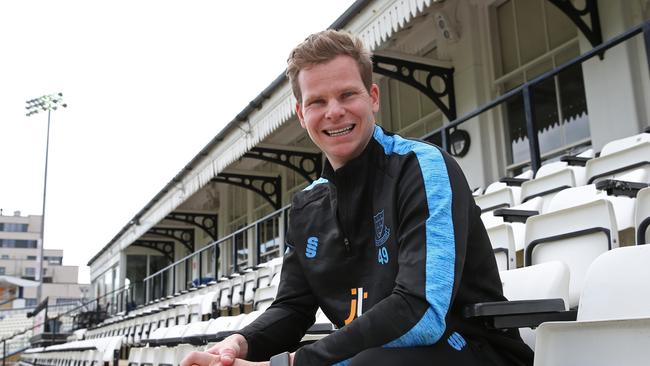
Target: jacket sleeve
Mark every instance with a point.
(284, 323)
(414, 314)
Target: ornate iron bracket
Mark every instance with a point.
(593, 34)
(267, 187)
(309, 163)
(162, 246)
(207, 222)
(404, 71)
(184, 236)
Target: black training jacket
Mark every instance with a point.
(391, 247)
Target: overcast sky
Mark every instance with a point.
(147, 83)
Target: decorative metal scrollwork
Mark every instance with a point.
(166, 248)
(593, 34)
(308, 164)
(267, 187)
(204, 221)
(184, 236)
(405, 71)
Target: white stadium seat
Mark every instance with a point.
(613, 323)
(624, 159)
(548, 280)
(503, 244)
(574, 234)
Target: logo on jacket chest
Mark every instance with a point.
(356, 304)
(382, 233)
(312, 247)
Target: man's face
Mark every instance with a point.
(336, 110)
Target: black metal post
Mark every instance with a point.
(216, 262)
(4, 352)
(258, 242)
(444, 139)
(173, 280)
(162, 285)
(234, 253)
(531, 130)
(200, 269)
(187, 273)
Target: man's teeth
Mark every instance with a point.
(339, 132)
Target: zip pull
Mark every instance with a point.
(347, 244)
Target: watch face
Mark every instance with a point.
(281, 359)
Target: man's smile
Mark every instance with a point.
(340, 131)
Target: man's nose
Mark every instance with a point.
(334, 110)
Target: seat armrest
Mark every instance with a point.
(321, 328)
(519, 314)
(169, 342)
(615, 187)
(516, 182)
(572, 160)
(195, 340)
(219, 336)
(511, 215)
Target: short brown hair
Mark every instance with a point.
(324, 46)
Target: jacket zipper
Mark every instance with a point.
(346, 241)
(347, 245)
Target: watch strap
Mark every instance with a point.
(281, 359)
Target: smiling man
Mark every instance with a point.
(388, 242)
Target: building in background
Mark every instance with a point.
(19, 265)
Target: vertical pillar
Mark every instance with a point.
(531, 130)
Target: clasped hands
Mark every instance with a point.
(229, 352)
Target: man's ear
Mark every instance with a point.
(301, 117)
(374, 97)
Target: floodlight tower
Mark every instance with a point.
(46, 103)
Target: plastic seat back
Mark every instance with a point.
(499, 198)
(629, 162)
(503, 244)
(642, 216)
(613, 324)
(548, 280)
(576, 235)
(617, 285)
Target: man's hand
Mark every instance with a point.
(208, 359)
(234, 346)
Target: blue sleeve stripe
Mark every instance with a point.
(315, 183)
(440, 241)
(343, 363)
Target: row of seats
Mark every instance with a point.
(91, 352)
(610, 315)
(561, 214)
(240, 294)
(14, 323)
(612, 325)
(161, 320)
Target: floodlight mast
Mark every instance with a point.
(44, 103)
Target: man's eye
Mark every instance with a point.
(347, 94)
(316, 102)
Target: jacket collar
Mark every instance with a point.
(354, 169)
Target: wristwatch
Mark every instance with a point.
(281, 359)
